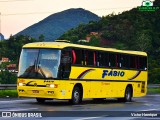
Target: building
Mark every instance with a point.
(11, 66)
(94, 33)
(5, 59)
(88, 37)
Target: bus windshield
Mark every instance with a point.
(39, 63)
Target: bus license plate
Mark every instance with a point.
(35, 91)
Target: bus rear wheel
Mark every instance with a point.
(127, 95)
(40, 100)
(76, 96)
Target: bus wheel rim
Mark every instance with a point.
(128, 95)
(76, 96)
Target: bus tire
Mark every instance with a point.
(76, 96)
(40, 100)
(127, 95)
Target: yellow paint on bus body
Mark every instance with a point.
(94, 86)
(96, 82)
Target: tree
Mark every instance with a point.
(94, 41)
(120, 45)
(41, 37)
(143, 42)
(154, 76)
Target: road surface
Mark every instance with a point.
(144, 108)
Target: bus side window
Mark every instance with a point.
(86, 57)
(132, 62)
(103, 59)
(118, 60)
(83, 56)
(143, 63)
(107, 63)
(65, 63)
(77, 56)
(74, 57)
(100, 59)
(124, 61)
(90, 58)
(112, 59)
(137, 62)
(95, 59)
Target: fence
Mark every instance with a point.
(153, 85)
(8, 86)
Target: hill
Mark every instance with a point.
(131, 30)
(56, 24)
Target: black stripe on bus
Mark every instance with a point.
(37, 85)
(102, 80)
(92, 80)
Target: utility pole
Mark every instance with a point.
(0, 22)
(0, 27)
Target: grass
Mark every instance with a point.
(8, 93)
(153, 91)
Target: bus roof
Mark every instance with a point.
(61, 45)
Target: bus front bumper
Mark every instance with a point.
(36, 92)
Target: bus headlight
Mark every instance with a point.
(52, 85)
(21, 84)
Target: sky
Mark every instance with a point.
(16, 15)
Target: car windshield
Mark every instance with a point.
(39, 63)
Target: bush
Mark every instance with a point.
(154, 76)
(7, 78)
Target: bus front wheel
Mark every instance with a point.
(76, 96)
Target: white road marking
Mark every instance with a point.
(150, 109)
(19, 109)
(150, 118)
(15, 101)
(89, 118)
(148, 104)
(154, 95)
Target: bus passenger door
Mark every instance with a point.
(64, 73)
(65, 64)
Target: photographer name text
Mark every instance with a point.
(144, 114)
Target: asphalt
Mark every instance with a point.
(145, 108)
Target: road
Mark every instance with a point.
(109, 109)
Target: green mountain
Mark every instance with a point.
(56, 24)
(132, 30)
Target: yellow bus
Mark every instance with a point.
(59, 70)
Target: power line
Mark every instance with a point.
(14, 0)
(111, 8)
(0, 22)
(30, 13)
(26, 13)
